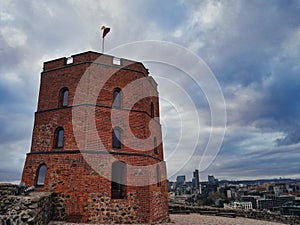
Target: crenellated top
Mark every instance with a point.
(93, 57)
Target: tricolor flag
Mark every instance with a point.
(105, 31)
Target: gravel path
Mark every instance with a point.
(197, 219)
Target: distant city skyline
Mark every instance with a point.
(190, 178)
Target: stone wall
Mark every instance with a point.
(39, 208)
(259, 215)
(102, 209)
(35, 209)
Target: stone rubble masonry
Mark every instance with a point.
(79, 173)
(34, 209)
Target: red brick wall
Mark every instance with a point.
(81, 180)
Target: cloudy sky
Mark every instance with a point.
(252, 48)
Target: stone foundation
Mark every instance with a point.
(38, 208)
(35, 209)
(103, 210)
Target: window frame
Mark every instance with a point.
(38, 175)
(118, 180)
(155, 146)
(117, 104)
(152, 110)
(158, 176)
(116, 138)
(64, 97)
(57, 136)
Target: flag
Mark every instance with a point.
(105, 31)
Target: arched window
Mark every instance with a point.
(152, 110)
(155, 145)
(41, 175)
(118, 180)
(116, 138)
(64, 97)
(158, 176)
(117, 98)
(59, 138)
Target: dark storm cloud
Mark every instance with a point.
(270, 164)
(282, 101)
(262, 28)
(257, 59)
(277, 107)
(291, 137)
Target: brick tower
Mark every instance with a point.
(96, 141)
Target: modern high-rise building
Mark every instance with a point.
(212, 180)
(195, 180)
(180, 180)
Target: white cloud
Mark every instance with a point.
(11, 78)
(13, 36)
(207, 15)
(210, 26)
(4, 16)
(291, 46)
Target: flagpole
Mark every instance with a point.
(103, 45)
(105, 32)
